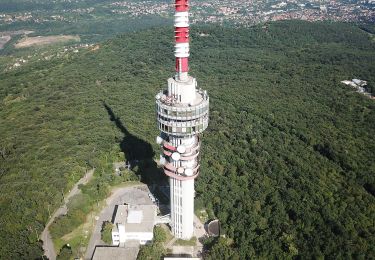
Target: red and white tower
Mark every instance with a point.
(182, 115)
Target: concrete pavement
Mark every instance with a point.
(129, 195)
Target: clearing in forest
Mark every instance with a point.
(4, 40)
(45, 40)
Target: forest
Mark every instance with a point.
(288, 159)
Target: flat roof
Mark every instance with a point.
(136, 218)
(114, 253)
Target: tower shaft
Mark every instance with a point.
(182, 114)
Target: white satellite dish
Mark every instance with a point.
(176, 156)
(190, 164)
(159, 140)
(181, 149)
(162, 160)
(157, 96)
(180, 170)
(189, 172)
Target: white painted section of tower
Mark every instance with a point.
(181, 19)
(184, 156)
(183, 90)
(182, 50)
(182, 76)
(182, 192)
(182, 195)
(182, 208)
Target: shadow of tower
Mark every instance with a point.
(138, 153)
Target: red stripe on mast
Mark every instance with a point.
(181, 34)
(182, 64)
(182, 5)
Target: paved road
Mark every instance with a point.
(49, 249)
(199, 233)
(196, 251)
(130, 195)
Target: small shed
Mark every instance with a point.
(213, 228)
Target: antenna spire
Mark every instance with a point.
(182, 48)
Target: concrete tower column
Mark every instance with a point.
(182, 115)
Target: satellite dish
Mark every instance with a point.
(190, 164)
(176, 156)
(162, 160)
(180, 170)
(181, 149)
(189, 172)
(159, 140)
(157, 97)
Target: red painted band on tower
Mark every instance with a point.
(182, 64)
(182, 5)
(181, 34)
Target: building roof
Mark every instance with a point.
(214, 228)
(114, 253)
(136, 218)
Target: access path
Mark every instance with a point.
(49, 249)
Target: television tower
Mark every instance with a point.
(182, 115)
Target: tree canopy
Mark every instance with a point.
(287, 160)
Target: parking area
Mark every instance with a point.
(129, 195)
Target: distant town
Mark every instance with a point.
(244, 12)
(249, 12)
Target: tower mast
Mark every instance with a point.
(182, 115)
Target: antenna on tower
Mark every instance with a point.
(182, 48)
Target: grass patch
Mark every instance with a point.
(202, 215)
(106, 232)
(181, 242)
(127, 184)
(168, 234)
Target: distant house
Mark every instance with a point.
(355, 83)
(349, 83)
(133, 223)
(360, 83)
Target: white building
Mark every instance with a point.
(133, 223)
(359, 82)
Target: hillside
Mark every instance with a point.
(287, 160)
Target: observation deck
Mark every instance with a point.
(176, 118)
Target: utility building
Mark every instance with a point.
(133, 223)
(182, 115)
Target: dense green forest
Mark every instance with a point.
(288, 159)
